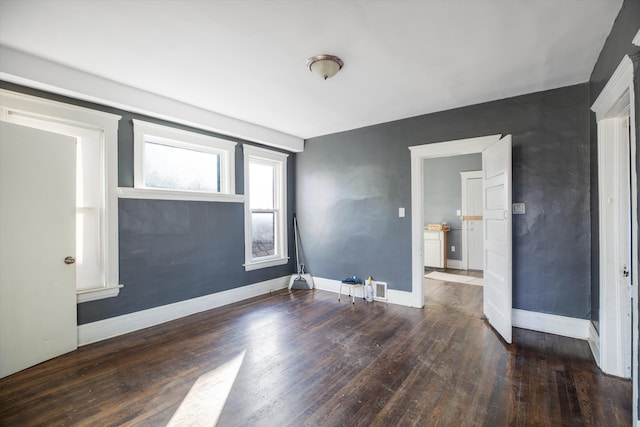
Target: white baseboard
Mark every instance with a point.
(326, 284)
(551, 324)
(393, 296)
(594, 343)
(401, 298)
(454, 263)
(119, 325)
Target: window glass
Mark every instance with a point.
(263, 234)
(180, 169)
(262, 185)
(167, 158)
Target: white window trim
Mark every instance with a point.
(280, 159)
(167, 194)
(173, 137)
(84, 295)
(108, 124)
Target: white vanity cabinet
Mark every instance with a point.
(435, 253)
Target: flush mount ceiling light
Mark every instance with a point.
(325, 65)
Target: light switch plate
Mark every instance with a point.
(518, 208)
(458, 212)
(400, 212)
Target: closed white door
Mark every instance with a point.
(474, 248)
(472, 235)
(37, 233)
(496, 171)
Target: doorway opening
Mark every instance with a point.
(497, 258)
(453, 238)
(452, 206)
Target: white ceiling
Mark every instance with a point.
(247, 58)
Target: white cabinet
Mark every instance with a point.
(435, 254)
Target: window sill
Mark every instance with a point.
(85, 295)
(157, 194)
(264, 264)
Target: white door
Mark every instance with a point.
(496, 170)
(615, 249)
(37, 233)
(472, 235)
(624, 242)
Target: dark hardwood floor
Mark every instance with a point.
(303, 359)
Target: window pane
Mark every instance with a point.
(263, 234)
(180, 169)
(89, 272)
(261, 182)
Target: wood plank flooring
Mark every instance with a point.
(303, 359)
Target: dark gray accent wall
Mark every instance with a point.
(350, 185)
(443, 194)
(174, 250)
(617, 45)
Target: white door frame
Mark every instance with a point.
(464, 176)
(616, 100)
(418, 154)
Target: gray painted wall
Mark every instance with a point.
(174, 250)
(350, 185)
(348, 216)
(443, 194)
(617, 45)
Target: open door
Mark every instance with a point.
(496, 202)
(37, 246)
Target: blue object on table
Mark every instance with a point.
(352, 279)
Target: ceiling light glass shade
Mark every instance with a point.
(325, 65)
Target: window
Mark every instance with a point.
(96, 176)
(265, 186)
(173, 160)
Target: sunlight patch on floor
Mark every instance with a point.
(203, 404)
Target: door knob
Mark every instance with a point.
(69, 260)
